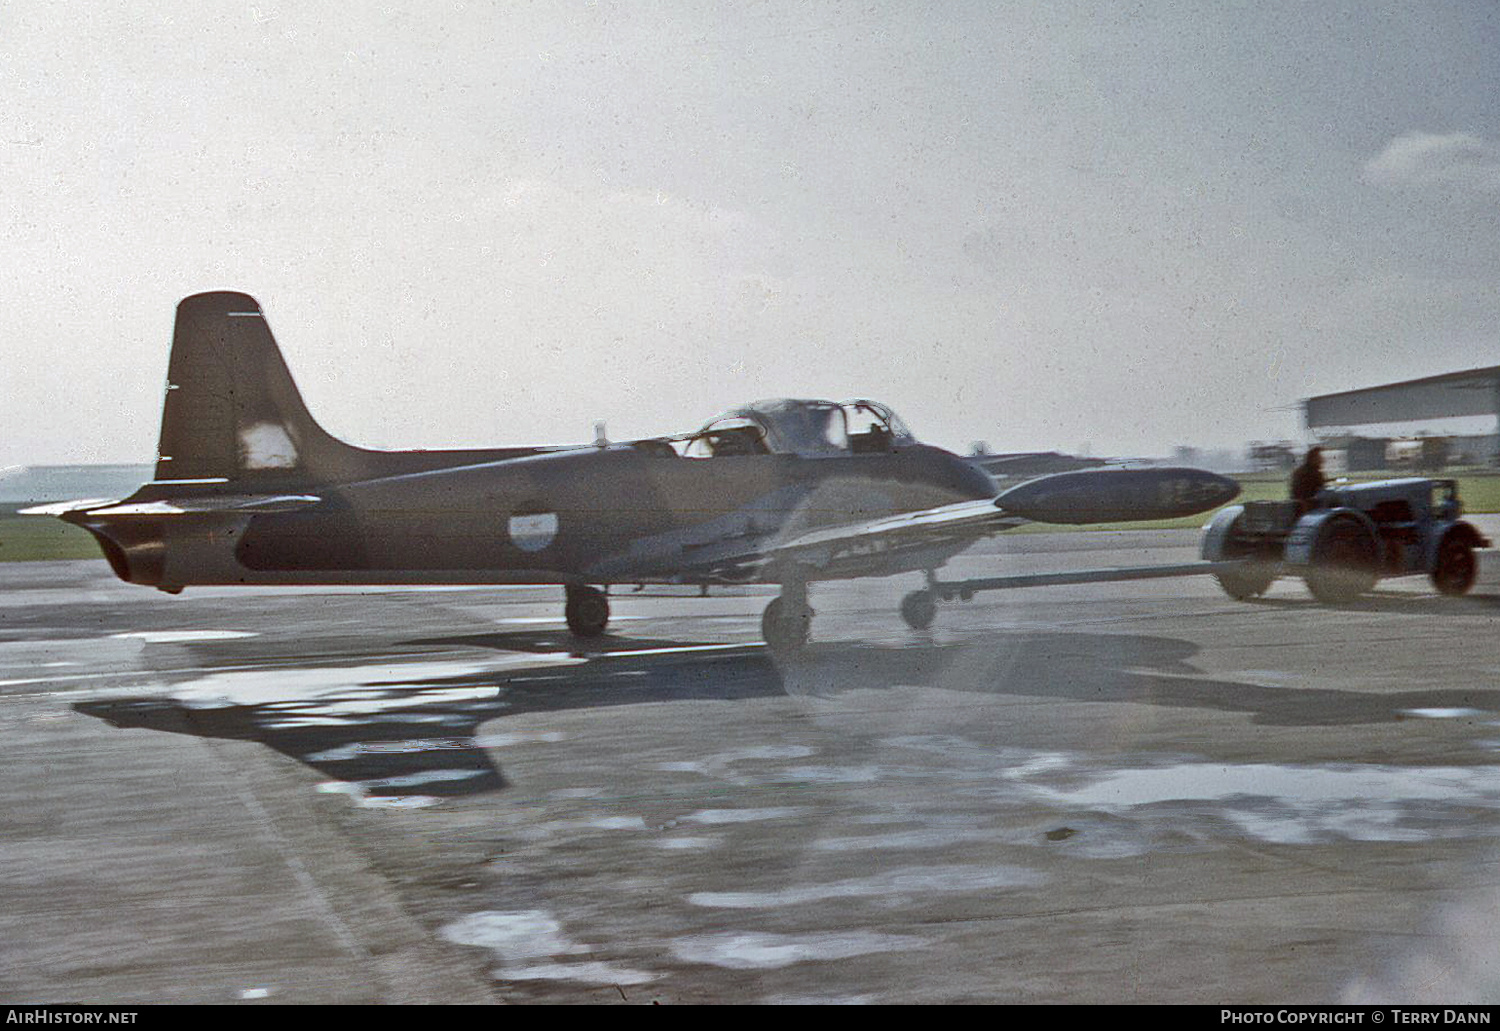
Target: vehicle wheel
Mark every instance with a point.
(918, 609)
(587, 611)
(786, 625)
(1249, 581)
(1344, 564)
(1456, 567)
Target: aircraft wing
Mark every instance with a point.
(912, 540)
(925, 539)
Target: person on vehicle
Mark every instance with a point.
(1308, 479)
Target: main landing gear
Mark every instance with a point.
(787, 621)
(919, 608)
(587, 611)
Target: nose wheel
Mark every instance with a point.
(919, 609)
(587, 611)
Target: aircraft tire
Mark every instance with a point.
(918, 609)
(587, 611)
(1456, 567)
(786, 626)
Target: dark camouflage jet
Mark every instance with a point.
(249, 489)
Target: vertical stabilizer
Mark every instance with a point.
(232, 411)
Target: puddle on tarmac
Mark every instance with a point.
(1311, 785)
(182, 636)
(409, 746)
(378, 793)
(719, 816)
(755, 950)
(360, 796)
(686, 844)
(927, 837)
(590, 972)
(296, 699)
(1302, 804)
(894, 885)
(1442, 714)
(350, 690)
(1195, 800)
(520, 939)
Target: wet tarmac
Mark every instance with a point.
(1115, 793)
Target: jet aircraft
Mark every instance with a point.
(249, 489)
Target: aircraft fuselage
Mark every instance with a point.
(628, 513)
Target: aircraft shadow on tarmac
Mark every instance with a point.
(553, 642)
(395, 735)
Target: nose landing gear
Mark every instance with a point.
(919, 609)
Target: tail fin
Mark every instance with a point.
(232, 411)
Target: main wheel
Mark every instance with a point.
(1456, 568)
(587, 611)
(918, 609)
(786, 625)
(1344, 564)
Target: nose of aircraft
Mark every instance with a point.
(1221, 489)
(1118, 495)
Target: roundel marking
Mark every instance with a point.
(533, 532)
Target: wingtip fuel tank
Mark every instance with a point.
(1118, 495)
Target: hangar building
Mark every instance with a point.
(1453, 395)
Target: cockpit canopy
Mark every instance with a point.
(809, 429)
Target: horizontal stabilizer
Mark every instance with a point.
(62, 508)
(249, 504)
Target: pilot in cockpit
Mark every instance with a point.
(876, 440)
(739, 440)
(869, 433)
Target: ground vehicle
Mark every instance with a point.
(1353, 535)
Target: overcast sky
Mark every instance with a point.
(1114, 226)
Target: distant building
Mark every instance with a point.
(1273, 457)
(1454, 395)
(31, 484)
(1474, 449)
(1366, 454)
